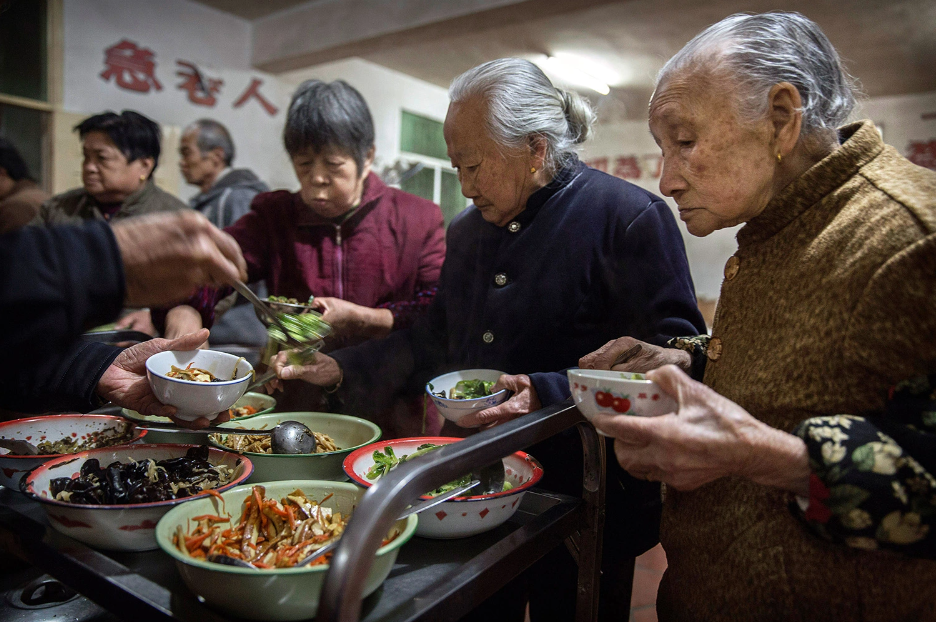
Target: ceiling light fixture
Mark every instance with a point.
(571, 71)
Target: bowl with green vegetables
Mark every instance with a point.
(461, 393)
(461, 516)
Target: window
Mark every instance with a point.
(421, 141)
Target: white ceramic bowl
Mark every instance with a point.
(117, 527)
(51, 428)
(349, 433)
(617, 393)
(274, 594)
(458, 517)
(455, 410)
(199, 399)
(265, 404)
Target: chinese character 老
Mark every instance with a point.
(201, 90)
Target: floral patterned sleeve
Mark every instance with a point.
(698, 347)
(872, 478)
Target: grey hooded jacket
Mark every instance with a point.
(230, 197)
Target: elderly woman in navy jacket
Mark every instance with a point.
(552, 260)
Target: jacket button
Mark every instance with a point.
(732, 268)
(501, 279)
(488, 337)
(714, 351)
(514, 227)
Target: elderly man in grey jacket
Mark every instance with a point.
(206, 152)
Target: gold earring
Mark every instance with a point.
(142, 177)
(779, 158)
(533, 170)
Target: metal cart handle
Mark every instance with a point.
(383, 502)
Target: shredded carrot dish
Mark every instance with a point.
(269, 534)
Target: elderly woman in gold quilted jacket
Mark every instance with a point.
(774, 495)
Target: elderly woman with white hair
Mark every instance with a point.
(552, 260)
(827, 303)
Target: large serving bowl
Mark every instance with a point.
(117, 527)
(460, 516)
(199, 399)
(270, 594)
(263, 403)
(349, 433)
(617, 393)
(52, 428)
(455, 410)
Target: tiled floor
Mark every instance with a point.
(648, 570)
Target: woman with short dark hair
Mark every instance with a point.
(20, 195)
(120, 153)
(370, 254)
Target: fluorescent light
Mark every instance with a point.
(573, 72)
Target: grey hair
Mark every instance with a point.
(213, 135)
(760, 51)
(523, 103)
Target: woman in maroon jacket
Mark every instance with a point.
(370, 254)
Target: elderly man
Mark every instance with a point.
(206, 153)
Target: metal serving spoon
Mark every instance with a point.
(288, 437)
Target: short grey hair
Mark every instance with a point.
(757, 52)
(523, 103)
(213, 135)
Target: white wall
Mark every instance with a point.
(905, 120)
(217, 42)
(387, 92)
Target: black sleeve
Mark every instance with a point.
(55, 283)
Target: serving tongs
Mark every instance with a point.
(266, 314)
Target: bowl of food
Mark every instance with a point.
(617, 393)
(199, 383)
(458, 517)
(250, 405)
(112, 498)
(336, 437)
(462, 393)
(59, 435)
(276, 589)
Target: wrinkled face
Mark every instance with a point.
(105, 172)
(195, 166)
(497, 180)
(330, 181)
(717, 169)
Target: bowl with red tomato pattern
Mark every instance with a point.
(617, 393)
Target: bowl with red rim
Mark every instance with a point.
(55, 429)
(617, 393)
(119, 527)
(458, 517)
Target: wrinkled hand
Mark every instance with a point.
(137, 320)
(650, 357)
(322, 370)
(351, 320)
(709, 437)
(168, 255)
(525, 400)
(124, 383)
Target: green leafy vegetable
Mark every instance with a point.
(385, 461)
(470, 389)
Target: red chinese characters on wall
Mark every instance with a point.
(629, 167)
(922, 153)
(253, 91)
(131, 66)
(202, 90)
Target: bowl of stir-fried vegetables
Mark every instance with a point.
(272, 526)
(458, 517)
(336, 437)
(461, 393)
(112, 498)
(199, 383)
(59, 435)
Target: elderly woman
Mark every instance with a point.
(120, 153)
(369, 253)
(552, 259)
(828, 301)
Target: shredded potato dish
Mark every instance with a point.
(261, 443)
